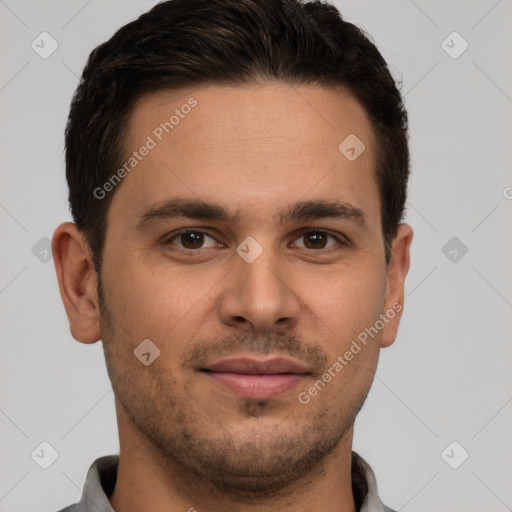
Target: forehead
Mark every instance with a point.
(252, 146)
(249, 114)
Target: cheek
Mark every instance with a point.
(346, 303)
(153, 301)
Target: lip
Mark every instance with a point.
(257, 379)
(255, 366)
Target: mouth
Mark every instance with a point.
(255, 378)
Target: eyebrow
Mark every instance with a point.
(177, 207)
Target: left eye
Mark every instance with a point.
(317, 240)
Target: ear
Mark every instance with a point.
(77, 282)
(398, 267)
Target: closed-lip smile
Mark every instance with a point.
(255, 377)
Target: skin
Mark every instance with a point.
(185, 441)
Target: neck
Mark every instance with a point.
(148, 481)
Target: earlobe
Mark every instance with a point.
(77, 282)
(397, 271)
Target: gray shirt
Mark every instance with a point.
(101, 480)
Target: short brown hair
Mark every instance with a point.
(183, 43)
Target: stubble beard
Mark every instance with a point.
(256, 466)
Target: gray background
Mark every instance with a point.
(447, 378)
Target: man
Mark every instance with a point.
(237, 176)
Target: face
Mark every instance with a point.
(248, 248)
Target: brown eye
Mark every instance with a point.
(319, 240)
(191, 239)
(315, 240)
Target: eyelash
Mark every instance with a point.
(340, 239)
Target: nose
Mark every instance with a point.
(258, 296)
